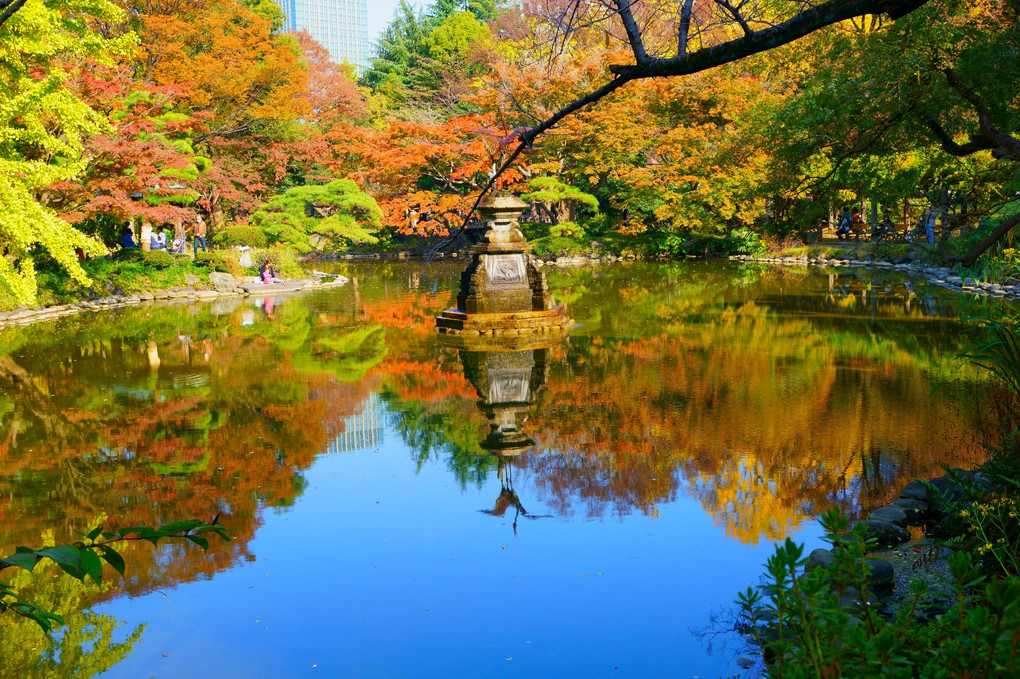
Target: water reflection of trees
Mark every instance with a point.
(763, 394)
(224, 421)
(751, 399)
(88, 645)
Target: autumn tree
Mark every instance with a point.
(332, 92)
(912, 109)
(424, 175)
(247, 83)
(667, 39)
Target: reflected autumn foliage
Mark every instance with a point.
(175, 413)
(767, 400)
(764, 394)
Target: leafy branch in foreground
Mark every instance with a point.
(85, 559)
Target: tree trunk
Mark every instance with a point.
(563, 211)
(215, 215)
(146, 240)
(994, 237)
(945, 212)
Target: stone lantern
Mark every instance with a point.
(502, 292)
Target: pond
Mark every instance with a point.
(697, 413)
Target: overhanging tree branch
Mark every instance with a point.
(994, 237)
(645, 66)
(10, 7)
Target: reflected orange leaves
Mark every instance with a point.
(427, 382)
(194, 439)
(762, 416)
(763, 422)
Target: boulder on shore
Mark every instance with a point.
(222, 282)
(885, 534)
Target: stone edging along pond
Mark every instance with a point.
(219, 285)
(943, 276)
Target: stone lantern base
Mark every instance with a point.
(502, 292)
(553, 321)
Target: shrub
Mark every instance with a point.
(568, 230)
(130, 255)
(214, 261)
(744, 241)
(533, 230)
(560, 245)
(805, 630)
(159, 259)
(739, 241)
(241, 234)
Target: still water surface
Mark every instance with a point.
(696, 414)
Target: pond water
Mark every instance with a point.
(697, 413)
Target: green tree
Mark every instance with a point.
(401, 46)
(559, 201)
(320, 217)
(451, 42)
(483, 10)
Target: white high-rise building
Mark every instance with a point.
(341, 26)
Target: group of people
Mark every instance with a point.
(158, 239)
(925, 224)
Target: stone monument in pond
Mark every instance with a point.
(502, 292)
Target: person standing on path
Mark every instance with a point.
(199, 232)
(929, 223)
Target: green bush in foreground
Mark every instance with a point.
(214, 261)
(130, 255)
(799, 622)
(159, 259)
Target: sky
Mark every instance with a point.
(380, 12)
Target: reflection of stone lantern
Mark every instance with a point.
(502, 292)
(506, 382)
